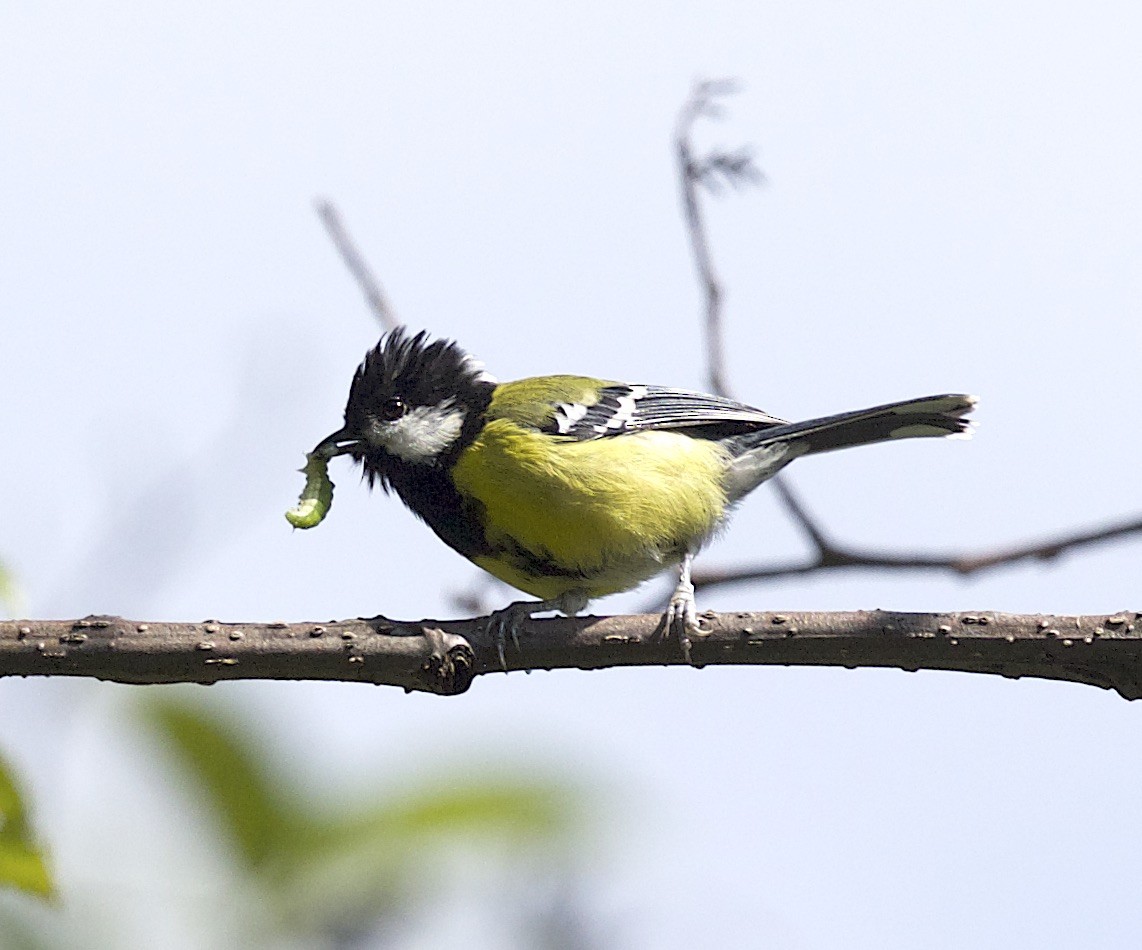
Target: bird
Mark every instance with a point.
(570, 488)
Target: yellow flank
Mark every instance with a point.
(616, 509)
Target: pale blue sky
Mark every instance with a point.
(953, 204)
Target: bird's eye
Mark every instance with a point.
(393, 409)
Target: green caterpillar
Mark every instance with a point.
(317, 496)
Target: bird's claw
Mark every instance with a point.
(682, 617)
(504, 623)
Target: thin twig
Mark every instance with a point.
(799, 514)
(702, 102)
(355, 261)
(830, 556)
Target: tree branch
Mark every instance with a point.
(735, 167)
(444, 656)
(832, 556)
(355, 261)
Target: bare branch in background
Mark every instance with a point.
(355, 261)
(737, 168)
(831, 556)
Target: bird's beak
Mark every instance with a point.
(339, 443)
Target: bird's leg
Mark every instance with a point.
(505, 622)
(682, 613)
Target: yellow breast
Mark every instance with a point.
(598, 516)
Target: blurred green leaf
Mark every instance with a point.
(349, 866)
(507, 808)
(236, 779)
(333, 872)
(22, 863)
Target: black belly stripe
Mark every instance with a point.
(541, 564)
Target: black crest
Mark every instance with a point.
(417, 371)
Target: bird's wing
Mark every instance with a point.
(623, 408)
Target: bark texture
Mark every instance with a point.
(1103, 650)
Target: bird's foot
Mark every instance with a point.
(682, 618)
(506, 622)
(682, 612)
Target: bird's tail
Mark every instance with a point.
(761, 454)
(928, 416)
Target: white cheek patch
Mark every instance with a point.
(421, 434)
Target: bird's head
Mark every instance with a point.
(413, 402)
